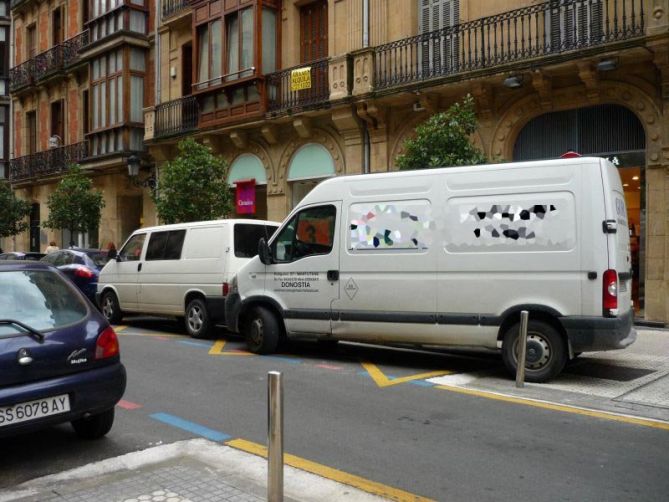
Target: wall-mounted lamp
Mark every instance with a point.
(513, 82)
(607, 65)
(134, 163)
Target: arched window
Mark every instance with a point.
(310, 165)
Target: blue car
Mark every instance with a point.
(59, 358)
(81, 266)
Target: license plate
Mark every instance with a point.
(23, 412)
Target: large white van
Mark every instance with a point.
(449, 257)
(180, 270)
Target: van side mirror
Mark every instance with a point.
(118, 258)
(263, 252)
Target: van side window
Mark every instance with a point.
(309, 232)
(165, 245)
(133, 248)
(247, 236)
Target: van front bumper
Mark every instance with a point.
(233, 305)
(599, 333)
(216, 308)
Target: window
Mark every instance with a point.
(4, 140)
(57, 26)
(31, 41)
(310, 232)
(31, 130)
(57, 129)
(136, 99)
(247, 237)
(4, 53)
(106, 88)
(165, 245)
(132, 251)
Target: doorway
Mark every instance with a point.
(34, 228)
(187, 69)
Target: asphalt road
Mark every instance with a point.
(365, 411)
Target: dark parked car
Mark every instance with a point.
(82, 266)
(59, 357)
(20, 255)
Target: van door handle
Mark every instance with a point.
(333, 275)
(139, 267)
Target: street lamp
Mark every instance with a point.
(134, 163)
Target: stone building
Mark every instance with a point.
(81, 73)
(291, 92)
(5, 37)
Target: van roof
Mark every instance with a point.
(449, 170)
(193, 224)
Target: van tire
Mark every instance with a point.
(110, 308)
(547, 351)
(197, 320)
(262, 331)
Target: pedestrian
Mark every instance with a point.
(51, 247)
(111, 251)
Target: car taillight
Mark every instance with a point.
(85, 273)
(226, 289)
(610, 293)
(107, 344)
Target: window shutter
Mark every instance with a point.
(596, 28)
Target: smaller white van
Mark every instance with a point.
(449, 258)
(180, 270)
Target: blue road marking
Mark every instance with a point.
(192, 427)
(203, 345)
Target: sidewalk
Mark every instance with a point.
(196, 470)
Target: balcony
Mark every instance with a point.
(15, 4)
(551, 29)
(176, 117)
(174, 7)
(47, 64)
(298, 88)
(54, 161)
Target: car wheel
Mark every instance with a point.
(546, 351)
(95, 426)
(197, 319)
(262, 331)
(110, 308)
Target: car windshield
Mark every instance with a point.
(99, 258)
(40, 299)
(247, 237)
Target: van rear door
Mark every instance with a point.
(617, 229)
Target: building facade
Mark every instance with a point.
(5, 37)
(81, 73)
(291, 92)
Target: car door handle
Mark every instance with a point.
(333, 275)
(139, 267)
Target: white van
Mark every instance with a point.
(179, 270)
(449, 257)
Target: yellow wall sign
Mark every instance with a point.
(300, 79)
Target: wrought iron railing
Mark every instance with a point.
(176, 117)
(73, 46)
(171, 7)
(22, 75)
(47, 163)
(282, 97)
(549, 28)
(49, 62)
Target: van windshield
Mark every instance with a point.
(247, 236)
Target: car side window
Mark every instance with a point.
(309, 232)
(165, 245)
(132, 251)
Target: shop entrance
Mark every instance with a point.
(608, 131)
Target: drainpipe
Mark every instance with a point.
(366, 142)
(156, 45)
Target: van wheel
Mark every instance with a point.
(110, 308)
(262, 331)
(197, 319)
(546, 351)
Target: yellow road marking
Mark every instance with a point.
(119, 328)
(576, 410)
(217, 350)
(324, 471)
(383, 381)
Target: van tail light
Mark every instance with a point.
(84, 272)
(610, 293)
(107, 344)
(226, 288)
